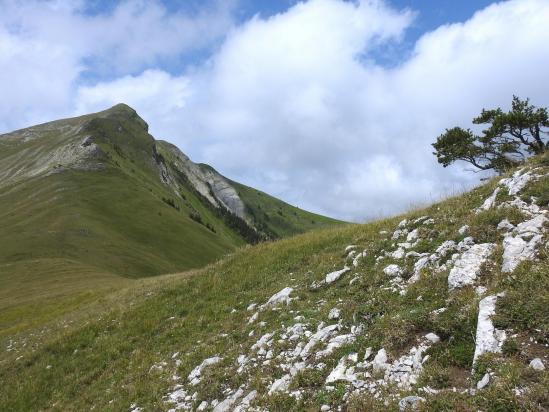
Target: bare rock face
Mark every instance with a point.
(523, 243)
(518, 181)
(209, 183)
(467, 267)
(488, 338)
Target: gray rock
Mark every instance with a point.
(410, 403)
(488, 338)
(464, 229)
(392, 270)
(505, 225)
(518, 181)
(281, 297)
(333, 276)
(467, 267)
(334, 314)
(481, 384)
(537, 364)
(489, 202)
(380, 361)
(516, 250)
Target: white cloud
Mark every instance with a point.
(161, 96)
(296, 105)
(347, 137)
(48, 47)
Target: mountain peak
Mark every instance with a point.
(124, 111)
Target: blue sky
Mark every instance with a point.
(330, 105)
(430, 14)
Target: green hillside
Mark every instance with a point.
(98, 199)
(277, 218)
(405, 320)
(97, 189)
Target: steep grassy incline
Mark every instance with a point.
(358, 318)
(277, 218)
(100, 190)
(96, 197)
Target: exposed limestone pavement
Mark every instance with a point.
(290, 350)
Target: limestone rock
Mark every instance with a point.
(537, 364)
(392, 270)
(281, 297)
(410, 403)
(467, 267)
(334, 314)
(195, 375)
(333, 276)
(481, 384)
(488, 338)
(380, 361)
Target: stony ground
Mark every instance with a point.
(443, 309)
(293, 349)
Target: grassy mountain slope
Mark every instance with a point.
(139, 348)
(96, 199)
(278, 218)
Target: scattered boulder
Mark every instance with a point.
(488, 338)
(280, 385)
(380, 361)
(505, 225)
(537, 364)
(410, 403)
(481, 384)
(227, 404)
(467, 267)
(489, 202)
(392, 270)
(196, 374)
(333, 276)
(281, 297)
(464, 229)
(334, 314)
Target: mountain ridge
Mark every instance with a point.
(99, 192)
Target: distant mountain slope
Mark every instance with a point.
(100, 191)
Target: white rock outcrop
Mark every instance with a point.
(281, 297)
(523, 242)
(196, 374)
(518, 181)
(488, 339)
(489, 202)
(333, 276)
(467, 266)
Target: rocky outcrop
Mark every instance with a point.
(488, 338)
(210, 184)
(467, 267)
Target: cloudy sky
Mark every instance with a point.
(330, 105)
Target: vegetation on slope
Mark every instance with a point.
(276, 218)
(92, 197)
(130, 349)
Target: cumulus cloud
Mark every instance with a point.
(50, 48)
(297, 104)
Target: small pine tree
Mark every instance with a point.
(507, 141)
